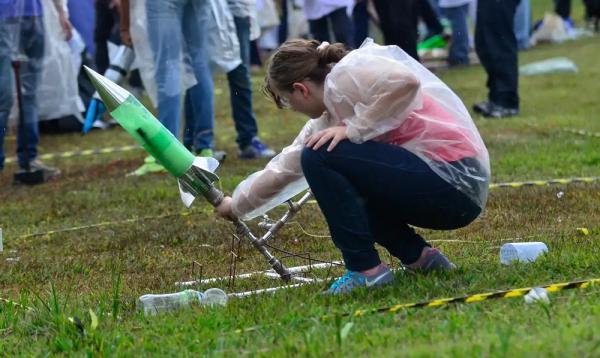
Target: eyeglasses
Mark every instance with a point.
(284, 102)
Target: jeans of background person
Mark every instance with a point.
(398, 21)
(341, 25)
(254, 54)
(171, 23)
(360, 19)
(563, 8)
(105, 30)
(31, 43)
(435, 5)
(496, 46)
(283, 22)
(523, 24)
(240, 89)
(371, 192)
(459, 47)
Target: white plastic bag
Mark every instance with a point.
(58, 92)
(552, 65)
(223, 42)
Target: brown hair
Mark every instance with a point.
(297, 60)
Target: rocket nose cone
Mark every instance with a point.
(112, 94)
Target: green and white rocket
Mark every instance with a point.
(195, 175)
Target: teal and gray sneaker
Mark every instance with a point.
(434, 260)
(352, 279)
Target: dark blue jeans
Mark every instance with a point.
(341, 25)
(370, 193)
(459, 47)
(496, 46)
(31, 42)
(360, 18)
(200, 135)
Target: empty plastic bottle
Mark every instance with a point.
(153, 304)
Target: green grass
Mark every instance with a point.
(104, 270)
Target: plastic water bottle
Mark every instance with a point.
(537, 294)
(153, 304)
(521, 251)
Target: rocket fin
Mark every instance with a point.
(207, 166)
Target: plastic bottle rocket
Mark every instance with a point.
(195, 175)
(118, 68)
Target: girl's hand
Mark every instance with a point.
(224, 209)
(126, 38)
(335, 134)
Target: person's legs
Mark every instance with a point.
(496, 46)
(6, 102)
(354, 182)
(240, 88)
(430, 18)
(105, 22)
(563, 8)
(195, 19)
(283, 23)
(398, 238)
(6, 82)
(399, 24)
(319, 28)
(459, 48)
(342, 26)
(164, 34)
(360, 18)
(523, 24)
(32, 42)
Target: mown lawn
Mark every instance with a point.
(105, 269)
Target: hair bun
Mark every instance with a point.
(330, 53)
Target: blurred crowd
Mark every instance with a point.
(171, 49)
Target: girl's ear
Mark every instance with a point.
(302, 88)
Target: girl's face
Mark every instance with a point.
(305, 97)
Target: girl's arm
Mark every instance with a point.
(281, 179)
(372, 95)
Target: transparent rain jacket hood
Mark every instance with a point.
(380, 93)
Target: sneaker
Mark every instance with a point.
(256, 150)
(150, 166)
(219, 155)
(497, 111)
(49, 172)
(434, 260)
(482, 107)
(352, 279)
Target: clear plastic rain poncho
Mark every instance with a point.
(380, 93)
(60, 69)
(30, 33)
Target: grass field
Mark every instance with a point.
(105, 269)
